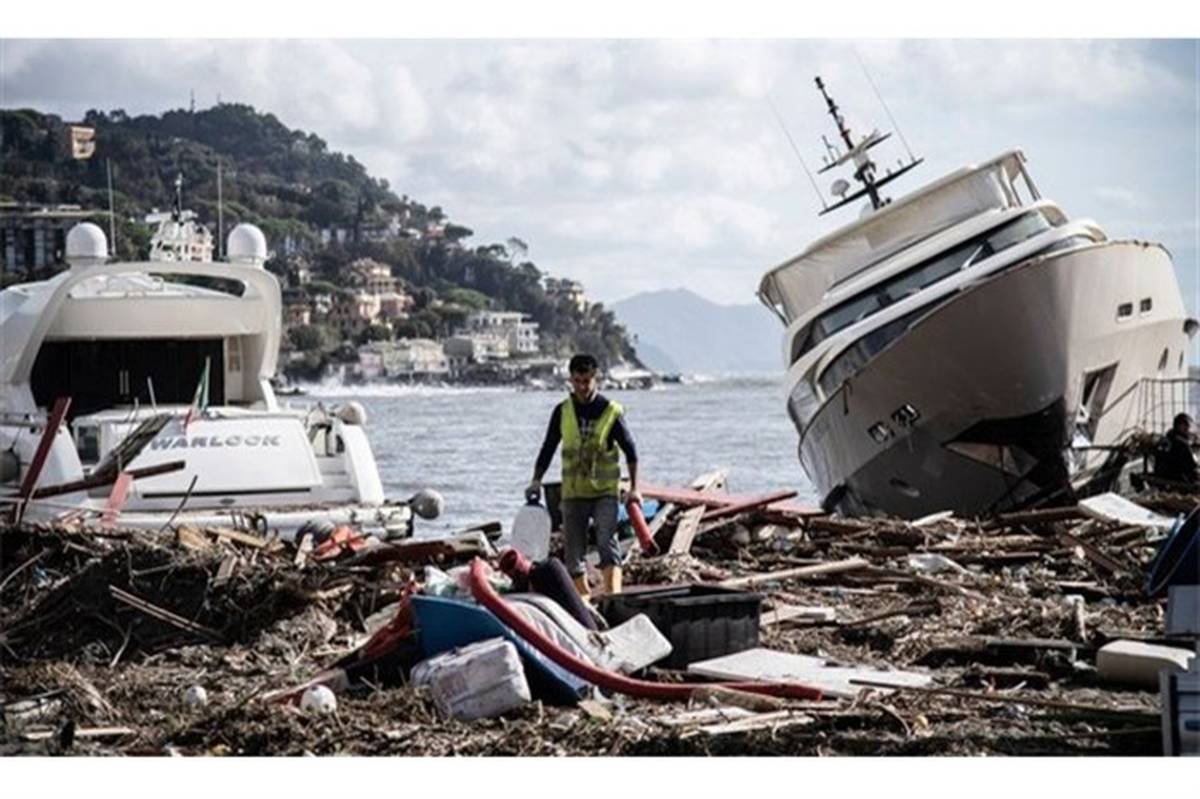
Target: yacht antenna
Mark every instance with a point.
(220, 216)
(864, 167)
(112, 225)
(886, 110)
(865, 173)
(796, 150)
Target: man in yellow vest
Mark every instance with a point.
(591, 428)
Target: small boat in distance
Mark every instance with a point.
(166, 361)
(969, 346)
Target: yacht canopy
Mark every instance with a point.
(800, 283)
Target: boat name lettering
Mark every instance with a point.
(210, 442)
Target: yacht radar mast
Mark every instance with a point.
(864, 171)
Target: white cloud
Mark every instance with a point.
(656, 163)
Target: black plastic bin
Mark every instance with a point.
(700, 621)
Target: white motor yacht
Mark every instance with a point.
(167, 365)
(969, 346)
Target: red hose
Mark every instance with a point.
(638, 520)
(610, 681)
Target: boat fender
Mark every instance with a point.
(352, 413)
(427, 503)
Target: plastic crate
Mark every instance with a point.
(700, 621)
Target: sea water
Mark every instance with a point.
(477, 446)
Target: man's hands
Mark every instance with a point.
(533, 491)
(633, 495)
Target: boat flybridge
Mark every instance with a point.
(968, 346)
(167, 366)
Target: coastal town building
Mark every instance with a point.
(406, 358)
(352, 312)
(34, 236)
(466, 350)
(566, 289)
(372, 276)
(522, 335)
(394, 305)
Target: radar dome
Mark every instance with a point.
(246, 245)
(86, 245)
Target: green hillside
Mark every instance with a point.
(291, 185)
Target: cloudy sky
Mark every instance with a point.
(657, 163)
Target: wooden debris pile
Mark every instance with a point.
(102, 635)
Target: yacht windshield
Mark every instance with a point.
(924, 274)
(857, 354)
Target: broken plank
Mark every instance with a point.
(116, 500)
(1035, 517)
(784, 613)
(688, 524)
(86, 732)
(754, 503)
(703, 716)
(799, 572)
(1092, 553)
(1008, 699)
(237, 536)
(773, 721)
(150, 609)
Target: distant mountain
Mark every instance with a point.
(679, 331)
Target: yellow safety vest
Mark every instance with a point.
(589, 468)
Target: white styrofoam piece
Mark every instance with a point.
(632, 645)
(481, 680)
(768, 665)
(1112, 507)
(1137, 663)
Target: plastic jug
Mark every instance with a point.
(531, 530)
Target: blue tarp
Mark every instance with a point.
(444, 624)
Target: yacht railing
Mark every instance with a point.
(1160, 400)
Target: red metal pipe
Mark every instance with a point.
(638, 521)
(611, 681)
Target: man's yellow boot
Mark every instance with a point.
(581, 585)
(612, 579)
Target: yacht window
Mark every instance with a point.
(925, 274)
(87, 442)
(1145, 305)
(803, 403)
(857, 354)
(1124, 310)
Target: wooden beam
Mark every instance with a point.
(154, 611)
(116, 500)
(58, 415)
(689, 521)
(97, 481)
(754, 503)
(799, 572)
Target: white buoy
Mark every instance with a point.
(196, 696)
(318, 701)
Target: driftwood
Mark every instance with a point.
(795, 574)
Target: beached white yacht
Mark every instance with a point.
(968, 346)
(171, 361)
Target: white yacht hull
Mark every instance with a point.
(1001, 364)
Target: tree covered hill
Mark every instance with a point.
(291, 185)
